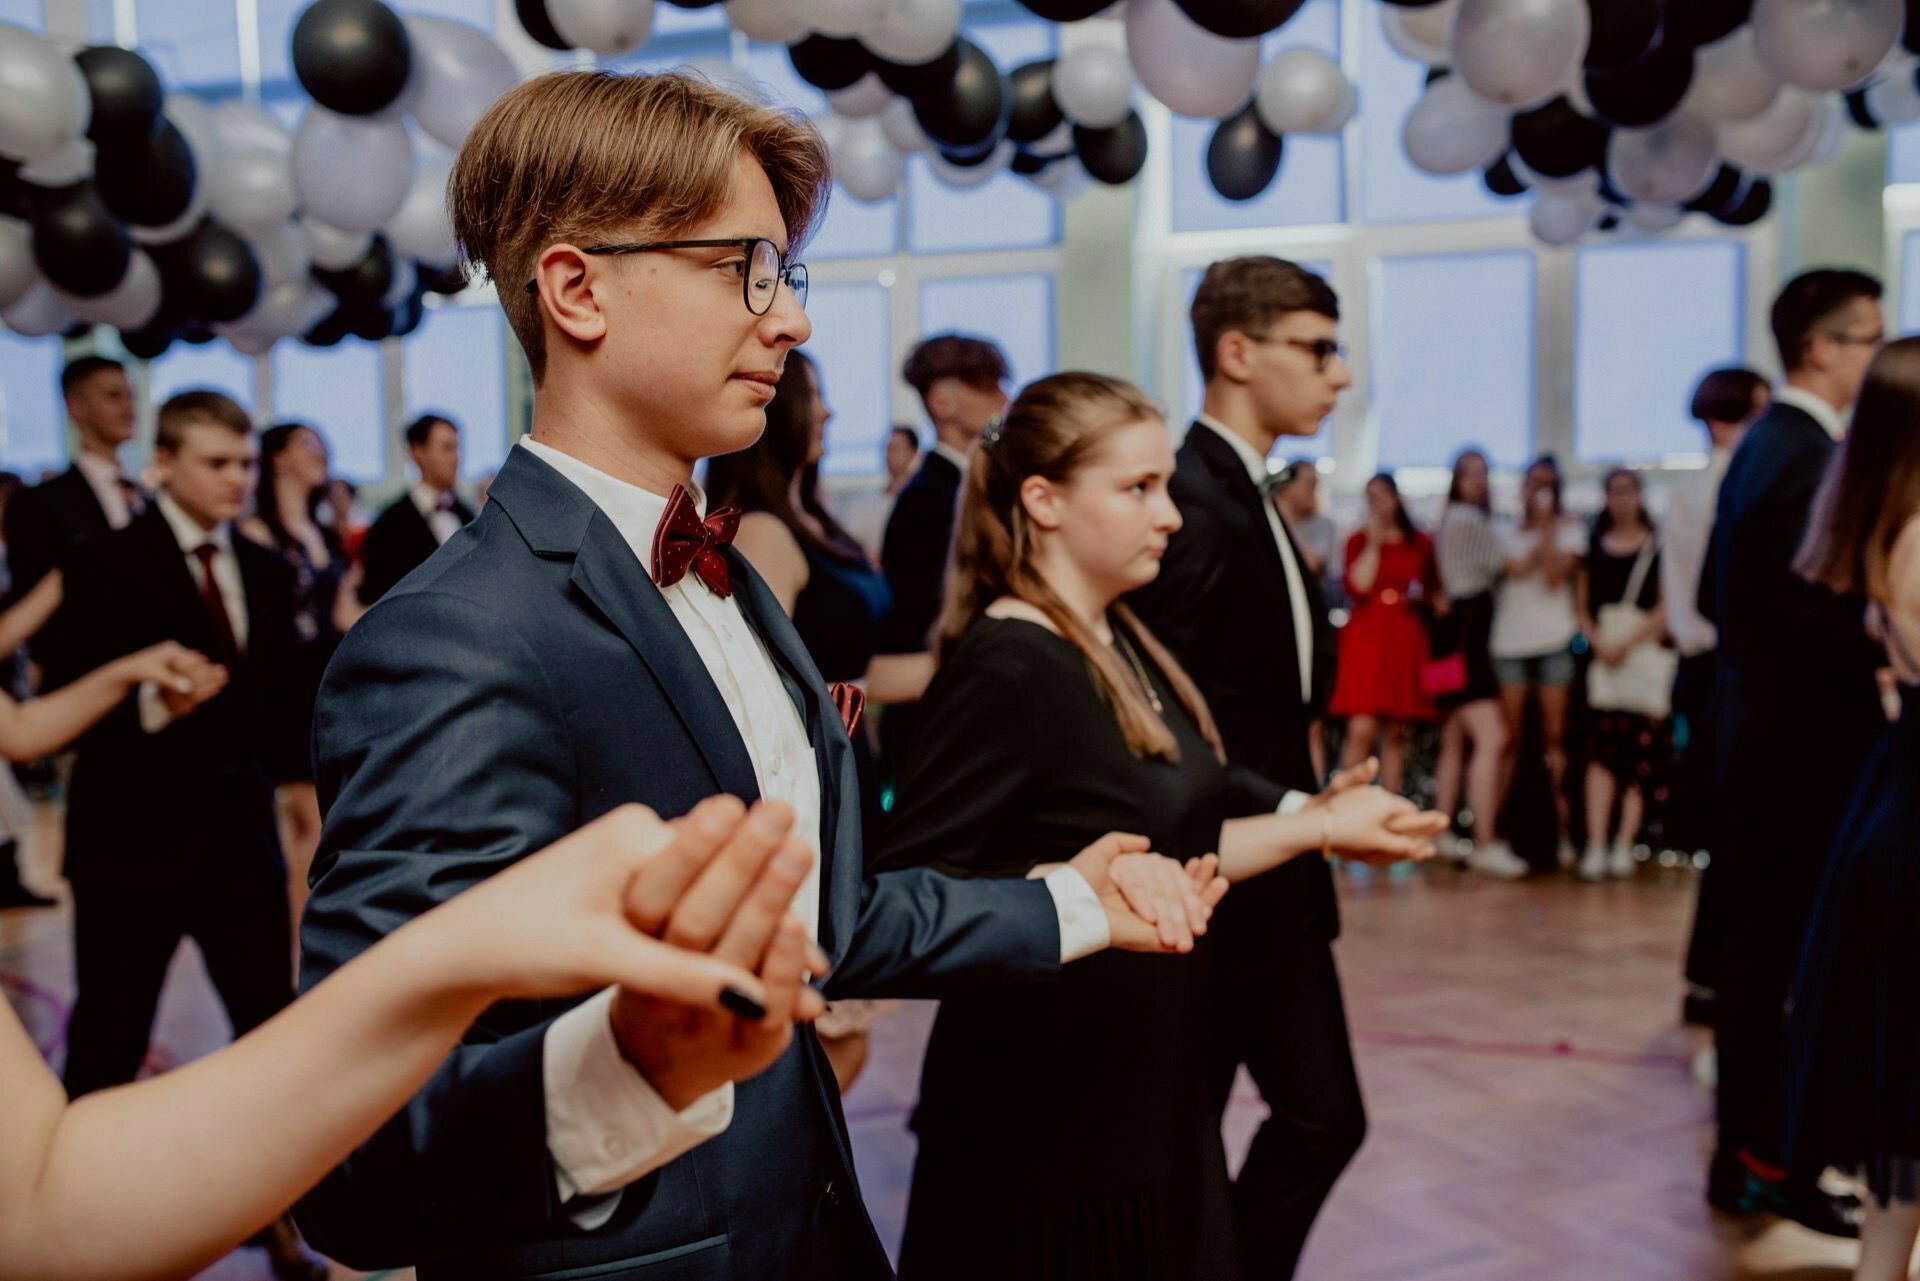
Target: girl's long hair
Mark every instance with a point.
(1872, 486)
(274, 442)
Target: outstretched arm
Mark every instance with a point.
(42, 726)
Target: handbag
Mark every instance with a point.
(1642, 682)
(1444, 672)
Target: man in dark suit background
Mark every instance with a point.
(1237, 605)
(424, 517)
(1795, 710)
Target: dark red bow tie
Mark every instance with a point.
(850, 701)
(682, 541)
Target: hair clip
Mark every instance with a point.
(990, 435)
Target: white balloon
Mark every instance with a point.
(1064, 179)
(606, 27)
(867, 96)
(903, 127)
(1895, 100)
(841, 17)
(251, 190)
(422, 228)
(865, 163)
(282, 310)
(1656, 218)
(1302, 91)
(1762, 139)
(62, 167)
(1452, 129)
(722, 74)
(239, 123)
(248, 343)
(1420, 32)
(911, 32)
(772, 21)
(1188, 68)
(44, 103)
(459, 70)
(17, 268)
(332, 249)
(1560, 220)
(1093, 86)
(128, 305)
(1825, 44)
(351, 172)
(1518, 53)
(282, 253)
(964, 176)
(1833, 133)
(1665, 163)
(36, 313)
(1057, 141)
(200, 127)
(1729, 80)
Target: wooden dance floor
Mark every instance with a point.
(1533, 1110)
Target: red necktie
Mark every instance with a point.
(216, 603)
(850, 701)
(683, 541)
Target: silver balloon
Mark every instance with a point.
(43, 98)
(1895, 100)
(1663, 164)
(1760, 142)
(1452, 129)
(865, 163)
(252, 190)
(841, 17)
(1655, 218)
(1188, 68)
(963, 176)
(17, 269)
(1833, 133)
(903, 128)
(1825, 44)
(282, 253)
(772, 21)
(239, 123)
(914, 31)
(1302, 91)
(1093, 86)
(422, 227)
(606, 27)
(1729, 80)
(867, 96)
(199, 126)
(1064, 179)
(332, 249)
(1419, 31)
(62, 167)
(351, 172)
(36, 313)
(1560, 219)
(250, 344)
(460, 71)
(1519, 53)
(128, 305)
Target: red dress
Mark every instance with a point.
(1384, 644)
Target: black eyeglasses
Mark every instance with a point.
(763, 268)
(1875, 339)
(1322, 349)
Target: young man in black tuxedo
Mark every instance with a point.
(1795, 710)
(420, 520)
(1238, 605)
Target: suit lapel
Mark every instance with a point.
(1238, 492)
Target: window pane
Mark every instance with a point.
(1308, 188)
(1395, 191)
(456, 364)
(342, 391)
(33, 422)
(1193, 388)
(671, 20)
(191, 43)
(187, 367)
(1453, 358)
(851, 347)
(1650, 319)
(30, 14)
(1903, 154)
(1014, 311)
(1910, 282)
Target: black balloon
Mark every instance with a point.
(971, 111)
(211, 275)
(125, 91)
(1750, 207)
(408, 315)
(1725, 186)
(1240, 19)
(79, 245)
(920, 79)
(372, 324)
(1035, 114)
(1066, 10)
(1556, 141)
(1859, 112)
(1243, 156)
(148, 181)
(1624, 32)
(1697, 22)
(366, 282)
(828, 62)
(1645, 93)
(16, 196)
(352, 56)
(149, 342)
(330, 330)
(1910, 37)
(1435, 74)
(440, 280)
(1028, 165)
(536, 23)
(1610, 222)
(197, 334)
(1611, 194)
(1501, 180)
(1114, 156)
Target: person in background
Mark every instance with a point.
(341, 511)
(1534, 625)
(92, 498)
(1725, 404)
(1297, 496)
(1383, 648)
(1624, 747)
(1471, 560)
(865, 514)
(16, 812)
(423, 518)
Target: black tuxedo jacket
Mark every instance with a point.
(397, 543)
(198, 789)
(1222, 605)
(914, 554)
(527, 680)
(45, 522)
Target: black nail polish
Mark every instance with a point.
(739, 1003)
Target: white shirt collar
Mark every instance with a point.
(634, 511)
(1831, 420)
(100, 472)
(951, 454)
(187, 531)
(426, 498)
(1256, 465)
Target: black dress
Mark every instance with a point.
(1065, 1128)
(1852, 1097)
(314, 640)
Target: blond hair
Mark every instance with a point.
(201, 405)
(578, 155)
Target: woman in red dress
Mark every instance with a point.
(1390, 567)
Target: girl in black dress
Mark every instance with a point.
(1065, 1130)
(1853, 1034)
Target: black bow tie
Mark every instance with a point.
(1276, 481)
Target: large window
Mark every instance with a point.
(1650, 320)
(33, 421)
(23, 13)
(850, 346)
(1453, 357)
(1016, 312)
(342, 392)
(212, 365)
(456, 364)
(193, 44)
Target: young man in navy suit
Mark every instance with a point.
(592, 640)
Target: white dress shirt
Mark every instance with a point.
(1693, 501)
(444, 522)
(951, 454)
(606, 1126)
(109, 485)
(1831, 420)
(189, 533)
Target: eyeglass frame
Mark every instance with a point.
(1322, 349)
(784, 276)
(1856, 340)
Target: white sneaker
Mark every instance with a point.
(1498, 859)
(1453, 847)
(1593, 864)
(1566, 855)
(1620, 862)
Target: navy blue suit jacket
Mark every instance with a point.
(525, 680)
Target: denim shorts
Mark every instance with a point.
(1538, 671)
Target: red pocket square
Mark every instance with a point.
(852, 701)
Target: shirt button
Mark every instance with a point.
(616, 1147)
(779, 763)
